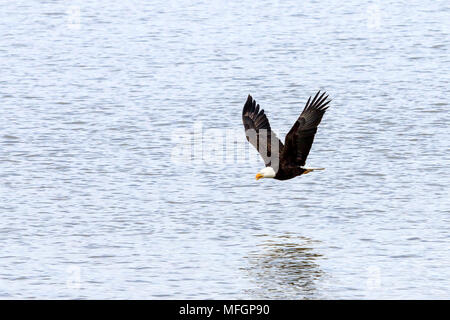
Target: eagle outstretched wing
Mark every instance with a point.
(259, 133)
(300, 138)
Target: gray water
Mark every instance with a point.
(95, 204)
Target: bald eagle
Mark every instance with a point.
(286, 161)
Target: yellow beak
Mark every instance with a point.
(259, 176)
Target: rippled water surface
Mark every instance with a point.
(95, 96)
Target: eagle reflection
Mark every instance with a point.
(285, 267)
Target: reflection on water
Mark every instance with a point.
(285, 267)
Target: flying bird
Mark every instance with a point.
(284, 161)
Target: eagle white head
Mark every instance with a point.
(267, 172)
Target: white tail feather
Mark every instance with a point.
(312, 169)
(308, 169)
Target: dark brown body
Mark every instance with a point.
(289, 173)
